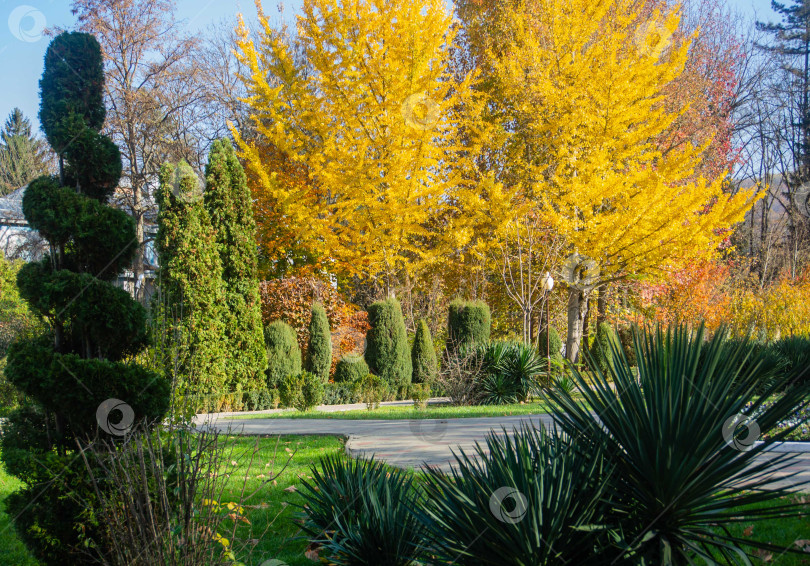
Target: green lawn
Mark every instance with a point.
(272, 509)
(408, 412)
(11, 549)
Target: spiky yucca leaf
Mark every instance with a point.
(528, 499)
(679, 479)
(360, 512)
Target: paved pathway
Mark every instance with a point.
(412, 443)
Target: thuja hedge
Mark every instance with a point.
(469, 323)
(387, 352)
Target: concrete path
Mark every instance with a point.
(412, 443)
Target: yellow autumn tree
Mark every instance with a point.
(579, 87)
(366, 113)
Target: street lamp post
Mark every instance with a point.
(548, 285)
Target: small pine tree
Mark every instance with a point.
(387, 352)
(423, 356)
(283, 353)
(319, 349)
(468, 324)
(191, 297)
(228, 202)
(601, 352)
(23, 157)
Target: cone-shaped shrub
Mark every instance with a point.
(192, 295)
(423, 356)
(229, 205)
(387, 352)
(468, 324)
(350, 368)
(283, 353)
(319, 349)
(74, 376)
(601, 351)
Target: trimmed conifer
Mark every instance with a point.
(423, 356)
(387, 352)
(228, 202)
(319, 349)
(192, 294)
(283, 353)
(468, 324)
(75, 376)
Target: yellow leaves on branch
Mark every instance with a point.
(371, 157)
(585, 81)
(367, 110)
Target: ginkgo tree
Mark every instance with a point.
(356, 153)
(579, 86)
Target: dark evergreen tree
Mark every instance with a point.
(74, 375)
(601, 351)
(468, 324)
(23, 157)
(387, 352)
(283, 353)
(319, 349)
(423, 356)
(191, 298)
(228, 202)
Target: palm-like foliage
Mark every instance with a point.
(529, 499)
(511, 370)
(360, 512)
(678, 479)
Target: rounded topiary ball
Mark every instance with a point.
(350, 368)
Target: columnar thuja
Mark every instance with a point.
(78, 375)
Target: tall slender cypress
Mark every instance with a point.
(192, 293)
(228, 202)
(319, 349)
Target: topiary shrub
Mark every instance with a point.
(601, 351)
(319, 349)
(371, 390)
(79, 375)
(387, 352)
(350, 368)
(303, 391)
(468, 324)
(420, 393)
(340, 394)
(423, 356)
(283, 354)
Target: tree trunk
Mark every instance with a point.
(140, 259)
(586, 325)
(576, 312)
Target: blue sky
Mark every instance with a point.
(22, 47)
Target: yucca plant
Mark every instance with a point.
(361, 512)
(684, 468)
(512, 370)
(528, 499)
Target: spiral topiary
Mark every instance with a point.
(75, 375)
